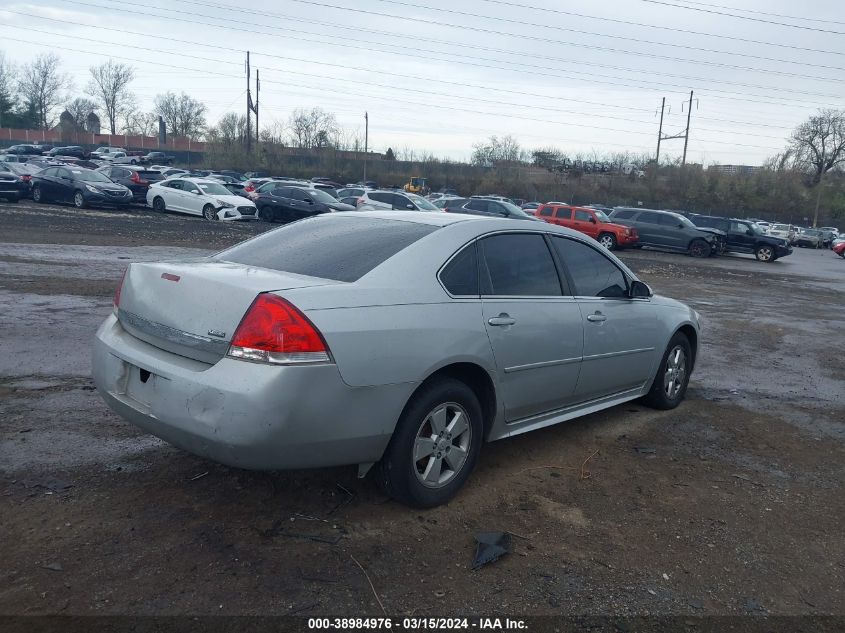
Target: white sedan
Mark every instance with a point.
(199, 196)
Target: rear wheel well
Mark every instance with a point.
(692, 336)
(476, 379)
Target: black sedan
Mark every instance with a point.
(284, 203)
(9, 186)
(23, 172)
(136, 179)
(82, 187)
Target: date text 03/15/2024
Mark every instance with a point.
(413, 624)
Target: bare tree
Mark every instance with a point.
(43, 86)
(79, 109)
(183, 115)
(8, 77)
(140, 123)
(496, 151)
(817, 146)
(109, 85)
(230, 128)
(313, 128)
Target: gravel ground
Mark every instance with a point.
(731, 504)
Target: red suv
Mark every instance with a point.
(592, 222)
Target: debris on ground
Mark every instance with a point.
(489, 547)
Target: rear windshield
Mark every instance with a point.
(329, 247)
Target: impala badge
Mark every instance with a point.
(217, 333)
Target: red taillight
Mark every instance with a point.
(136, 178)
(360, 202)
(273, 330)
(117, 291)
(249, 188)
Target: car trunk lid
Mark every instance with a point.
(192, 308)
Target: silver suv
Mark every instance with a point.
(381, 199)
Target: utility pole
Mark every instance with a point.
(660, 133)
(248, 108)
(686, 133)
(255, 109)
(366, 140)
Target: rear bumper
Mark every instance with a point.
(243, 414)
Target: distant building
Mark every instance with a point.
(92, 123)
(735, 169)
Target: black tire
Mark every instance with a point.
(399, 473)
(658, 396)
(608, 240)
(209, 213)
(765, 253)
(266, 213)
(699, 248)
(79, 200)
(133, 162)
(36, 194)
(158, 205)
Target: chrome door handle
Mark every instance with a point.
(598, 317)
(501, 320)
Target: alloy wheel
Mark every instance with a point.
(765, 254)
(606, 241)
(676, 372)
(78, 200)
(442, 444)
(209, 213)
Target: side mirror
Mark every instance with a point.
(410, 207)
(592, 219)
(309, 201)
(640, 290)
(680, 225)
(749, 232)
(196, 193)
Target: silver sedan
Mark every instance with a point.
(404, 341)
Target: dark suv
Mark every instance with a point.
(745, 237)
(669, 231)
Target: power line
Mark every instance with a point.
(424, 92)
(697, 80)
(776, 15)
(602, 19)
(745, 17)
(735, 96)
(428, 105)
(579, 31)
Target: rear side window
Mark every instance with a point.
(342, 249)
(460, 275)
(593, 274)
(565, 213)
(386, 198)
(518, 264)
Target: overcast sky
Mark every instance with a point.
(435, 78)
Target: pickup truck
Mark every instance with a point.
(104, 153)
(744, 236)
(157, 158)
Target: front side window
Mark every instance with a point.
(189, 187)
(593, 274)
(624, 214)
(546, 212)
(460, 275)
(401, 202)
(649, 217)
(582, 216)
(518, 264)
